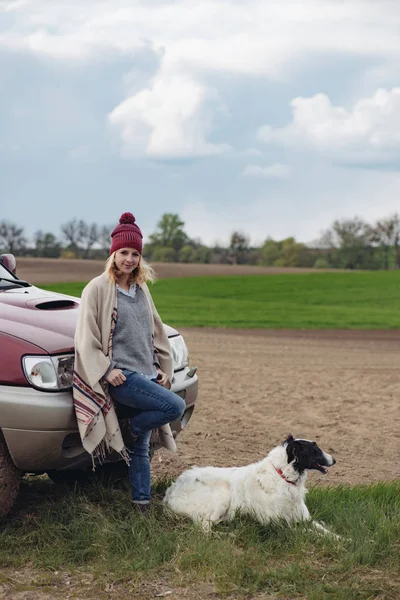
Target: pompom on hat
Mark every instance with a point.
(127, 234)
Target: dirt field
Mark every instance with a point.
(338, 388)
(50, 270)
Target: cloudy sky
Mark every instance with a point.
(269, 117)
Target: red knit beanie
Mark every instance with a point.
(127, 234)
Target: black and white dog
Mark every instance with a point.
(269, 490)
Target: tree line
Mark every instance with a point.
(347, 244)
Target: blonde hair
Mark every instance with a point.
(143, 272)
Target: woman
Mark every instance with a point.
(123, 354)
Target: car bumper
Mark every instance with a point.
(50, 438)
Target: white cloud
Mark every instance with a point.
(68, 46)
(195, 42)
(243, 37)
(274, 171)
(171, 118)
(13, 5)
(371, 128)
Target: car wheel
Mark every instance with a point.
(10, 478)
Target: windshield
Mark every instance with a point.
(5, 273)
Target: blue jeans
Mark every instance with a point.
(153, 406)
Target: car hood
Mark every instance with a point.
(46, 319)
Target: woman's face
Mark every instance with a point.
(126, 260)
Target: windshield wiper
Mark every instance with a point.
(20, 282)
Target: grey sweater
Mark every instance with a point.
(132, 344)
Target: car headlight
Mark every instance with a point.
(179, 352)
(49, 372)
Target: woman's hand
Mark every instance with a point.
(162, 379)
(115, 377)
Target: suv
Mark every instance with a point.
(38, 429)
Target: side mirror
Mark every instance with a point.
(9, 261)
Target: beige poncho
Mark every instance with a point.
(97, 420)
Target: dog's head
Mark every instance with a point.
(307, 455)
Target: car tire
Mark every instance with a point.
(10, 478)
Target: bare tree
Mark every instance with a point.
(104, 237)
(326, 241)
(73, 232)
(349, 231)
(239, 247)
(387, 234)
(12, 237)
(325, 248)
(89, 236)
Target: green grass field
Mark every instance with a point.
(92, 532)
(362, 300)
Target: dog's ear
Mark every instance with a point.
(300, 453)
(289, 439)
(290, 448)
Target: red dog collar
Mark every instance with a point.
(279, 471)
